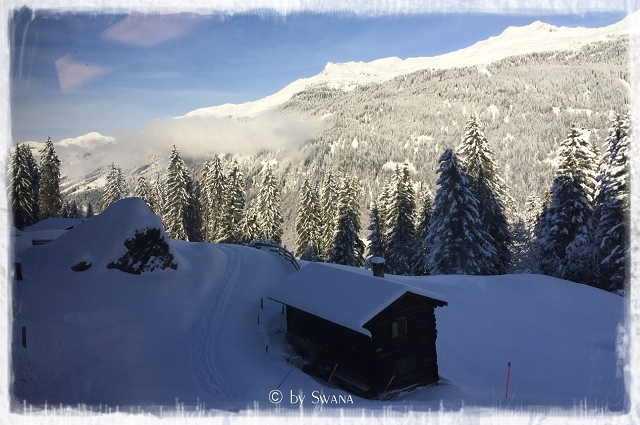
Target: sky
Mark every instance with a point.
(73, 73)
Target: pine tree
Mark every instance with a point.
(193, 225)
(22, 187)
(269, 208)
(329, 197)
(421, 247)
(457, 239)
(374, 248)
(400, 224)
(250, 230)
(308, 223)
(564, 233)
(489, 188)
(526, 252)
(115, 188)
(158, 198)
(49, 198)
(65, 210)
(347, 248)
(213, 198)
(74, 211)
(612, 232)
(89, 211)
(234, 202)
(177, 198)
(143, 191)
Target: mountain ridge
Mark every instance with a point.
(535, 37)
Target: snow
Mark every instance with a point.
(198, 334)
(98, 240)
(536, 37)
(88, 141)
(53, 223)
(391, 165)
(342, 296)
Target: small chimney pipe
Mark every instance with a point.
(377, 266)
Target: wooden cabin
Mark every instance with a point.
(370, 334)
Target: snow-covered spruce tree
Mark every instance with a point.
(612, 232)
(193, 225)
(74, 211)
(525, 250)
(456, 237)
(347, 248)
(269, 208)
(176, 196)
(143, 191)
(22, 196)
(564, 233)
(491, 191)
(384, 205)
(374, 247)
(115, 188)
(158, 198)
(65, 210)
(89, 211)
(421, 247)
(329, 196)
(234, 201)
(34, 170)
(250, 229)
(400, 224)
(308, 223)
(213, 192)
(49, 198)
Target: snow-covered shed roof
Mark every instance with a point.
(345, 297)
(53, 223)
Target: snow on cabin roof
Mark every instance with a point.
(53, 223)
(345, 297)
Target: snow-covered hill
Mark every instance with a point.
(198, 334)
(536, 37)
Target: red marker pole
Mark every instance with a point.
(506, 395)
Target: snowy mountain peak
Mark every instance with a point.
(88, 140)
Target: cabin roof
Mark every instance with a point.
(348, 298)
(53, 223)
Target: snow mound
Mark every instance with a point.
(99, 240)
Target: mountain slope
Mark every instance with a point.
(536, 37)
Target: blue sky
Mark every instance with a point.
(74, 73)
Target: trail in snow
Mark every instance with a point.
(211, 324)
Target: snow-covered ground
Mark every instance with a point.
(198, 334)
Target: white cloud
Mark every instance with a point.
(202, 136)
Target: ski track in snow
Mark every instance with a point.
(221, 290)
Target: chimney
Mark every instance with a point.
(377, 265)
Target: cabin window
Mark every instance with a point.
(399, 327)
(406, 364)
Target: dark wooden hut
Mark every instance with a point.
(370, 334)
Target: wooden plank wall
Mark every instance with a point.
(420, 340)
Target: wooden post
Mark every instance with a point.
(24, 336)
(506, 394)
(261, 305)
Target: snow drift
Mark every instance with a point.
(207, 334)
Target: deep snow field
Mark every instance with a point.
(198, 335)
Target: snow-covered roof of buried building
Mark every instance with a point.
(53, 223)
(348, 298)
